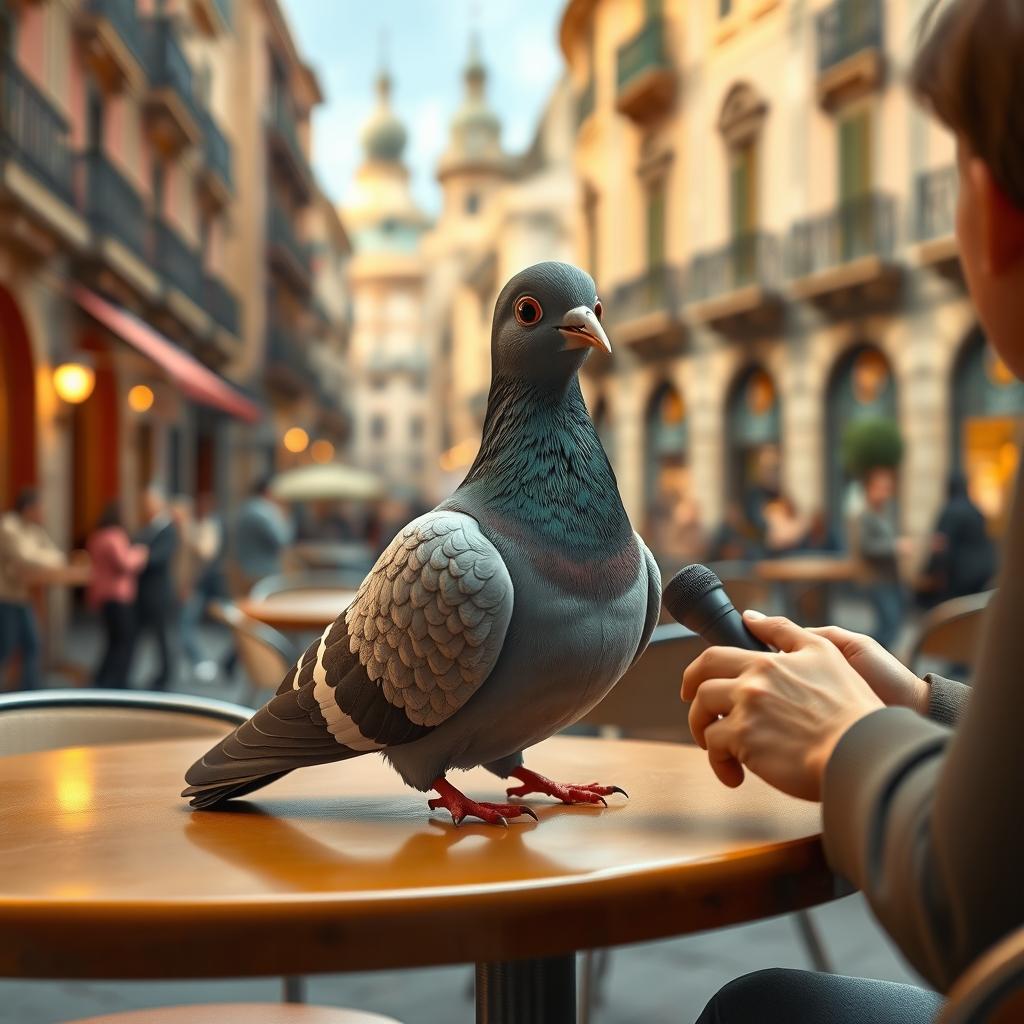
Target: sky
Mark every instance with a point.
(426, 45)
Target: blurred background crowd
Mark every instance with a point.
(216, 376)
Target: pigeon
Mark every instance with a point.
(492, 622)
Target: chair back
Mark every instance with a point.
(308, 580)
(645, 702)
(265, 654)
(991, 990)
(52, 719)
(950, 631)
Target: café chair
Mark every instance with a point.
(265, 654)
(50, 719)
(950, 632)
(240, 1013)
(991, 990)
(308, 580)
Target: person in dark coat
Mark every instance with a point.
(963, 558)
(157, 604)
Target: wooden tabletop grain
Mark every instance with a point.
(106, 873)
(299, 610)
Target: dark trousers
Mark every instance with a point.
(160, 622)
(19, 634)
(803, 997)
(888, 602)
(120, 626)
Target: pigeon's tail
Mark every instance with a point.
(280, 737)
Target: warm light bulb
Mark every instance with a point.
(296, 440)
(140, 398)
(74, 382)
(322, 450)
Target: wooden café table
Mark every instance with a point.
(105, 873)
(300, 610)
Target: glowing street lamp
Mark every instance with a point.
(140, 398)
(74, 382)
(296, 440)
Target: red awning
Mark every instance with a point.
(196, 381)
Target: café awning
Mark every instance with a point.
(195, 380)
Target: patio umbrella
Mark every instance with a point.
(331, 481)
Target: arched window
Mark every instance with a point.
(666, 471)
(862, 387)
(988, 425)
(753, 443)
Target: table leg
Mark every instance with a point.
(527, 991)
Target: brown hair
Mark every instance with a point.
(970, 71)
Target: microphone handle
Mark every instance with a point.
(721, 625)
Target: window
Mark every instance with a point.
(855, 154)
(378, 428)
(656, 225)
(94, 117)
(472, 203)
(743, 188)
(725, 8)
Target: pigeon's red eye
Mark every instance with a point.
(598, 309)
(528, 310)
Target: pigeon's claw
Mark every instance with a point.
(590, 793)
(461, 807)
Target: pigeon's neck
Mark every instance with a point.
(541, 466)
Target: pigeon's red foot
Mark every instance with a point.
(592, 793)
(461, 807)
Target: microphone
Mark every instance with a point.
(696, 598)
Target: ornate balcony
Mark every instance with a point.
(286, 149)
(735, 289)
(585, 102)
(645, 76)
(286, 253)
(935, 219)
(851, 58)
(114, 42)
(846, 255)
(221, 303)
(113, 205)
(645, 313)
(33, 132)
(287, 366)
(177, 262)
(214, 180)
(173, 115)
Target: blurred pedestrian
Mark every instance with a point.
(879, 547)
(113, 588)
(25, 547)
(963, 558)
(786, 531)
(157, 601)
(263, 532)
(204, 540)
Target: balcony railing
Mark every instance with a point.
(33, 132)
(177, 262)
(123, 16)
(644, 52)
(585, 102)
(221, 303)
(168, 67)
(864, 226)
(656, 290)
(751, 259)
(847, 27)
(281, 234)
(112, 204)
(216, 148)
(936, 204)
(282, 122)
(286, 352)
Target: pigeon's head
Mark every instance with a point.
(546, 321)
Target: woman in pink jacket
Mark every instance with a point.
(116, 564)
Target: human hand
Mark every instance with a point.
(892, 681)
(778, 714)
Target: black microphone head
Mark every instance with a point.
(686, 588)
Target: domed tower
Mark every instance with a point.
(474, 162)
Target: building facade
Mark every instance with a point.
(770, 218)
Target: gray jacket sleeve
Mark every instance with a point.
(947, 699)
(930, 823)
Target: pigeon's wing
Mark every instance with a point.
(423, 633)
(653, 596)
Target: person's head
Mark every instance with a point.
(956, 485)
(153, 503)
(970, 72)
(879, 486)
(261, 486)
(110, 516)
(28, 506)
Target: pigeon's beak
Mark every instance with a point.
(581, 329)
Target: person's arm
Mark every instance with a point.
(876, 537)
(125, 556)
(930, 824)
